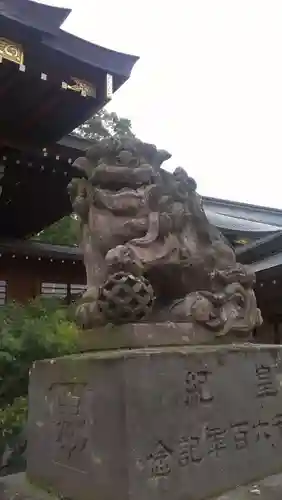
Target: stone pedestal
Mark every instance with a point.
(168, 423)
(18, 488)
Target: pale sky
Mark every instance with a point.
(208, 86)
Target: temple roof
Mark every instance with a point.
(47, 20)
(239, 224)
(35, 15)
(267, 216)
(37, 249)
(260, 249)
(50, 81)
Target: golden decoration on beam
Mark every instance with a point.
(11, 51)
(242, 242)
(85, 88)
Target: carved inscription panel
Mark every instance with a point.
(215, 421)
(70, 423)
(214, 442)
(76, 442)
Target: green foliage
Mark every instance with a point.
(105, 124)
(12, 419)
(63, 232)
(101, 125)
(38, 330)
(13, 437)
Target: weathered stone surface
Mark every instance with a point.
(156, 424)
(135, 335)
(18, 488)
(269, 488)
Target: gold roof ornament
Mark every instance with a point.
(85, 88)
(242, 241)
(11, 51)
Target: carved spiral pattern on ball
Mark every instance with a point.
(125, 298)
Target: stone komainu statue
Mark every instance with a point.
(150, 252)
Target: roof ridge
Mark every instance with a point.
(49, 15)
(221, 201)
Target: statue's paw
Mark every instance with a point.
(88, 316)
(87, 312)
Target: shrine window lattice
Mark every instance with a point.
(57, 290)
(77, 289)
(61, 290)
(3, 292)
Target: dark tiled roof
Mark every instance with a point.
(33, 248)
(238, 224)
(48, 20)
(38, 102)
(260, 249)
(34, 15)
(245, 212)
(269, 263)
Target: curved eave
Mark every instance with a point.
(46, 21)
(255, 213)
(273, 261)
(95, 56)
(35, 15)
(260, 249)
(34, 248)
(239, 225)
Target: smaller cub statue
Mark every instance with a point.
(149, 251)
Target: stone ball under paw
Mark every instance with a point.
(125, 298)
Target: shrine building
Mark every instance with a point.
(50, 83)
